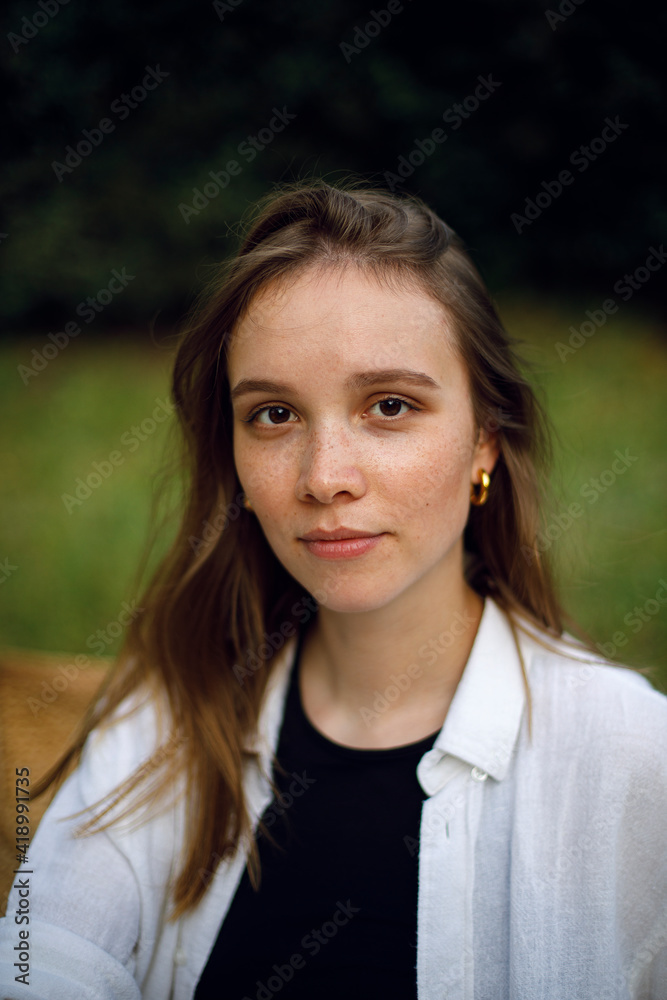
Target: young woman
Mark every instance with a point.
(348, 748)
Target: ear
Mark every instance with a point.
(486, 453)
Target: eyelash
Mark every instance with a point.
(252, 418)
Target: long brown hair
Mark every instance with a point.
(220, 590)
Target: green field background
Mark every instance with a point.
(66, 573)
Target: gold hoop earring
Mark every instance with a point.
(480, 498)
(247, 504)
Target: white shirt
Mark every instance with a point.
(542, 865)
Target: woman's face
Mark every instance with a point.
(368, 426)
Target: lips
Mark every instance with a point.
(320, 535)
(342, 548)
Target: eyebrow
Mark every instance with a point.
(359, 380)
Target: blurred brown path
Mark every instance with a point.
(42, 699)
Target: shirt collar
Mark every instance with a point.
(483, 720)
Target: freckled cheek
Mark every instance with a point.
(260, 471)
(270, 484)
(434, 483)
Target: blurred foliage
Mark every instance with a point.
(73, 568)
(229, 66)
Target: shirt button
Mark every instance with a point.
(478, 774)
(180, 957)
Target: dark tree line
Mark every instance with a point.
(138, 134)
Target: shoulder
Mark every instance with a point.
(135, 734)
(582, 700)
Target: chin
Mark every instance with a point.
(351, 597)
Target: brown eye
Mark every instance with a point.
(281, 412)
(393, 404)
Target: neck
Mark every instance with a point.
(372, 678)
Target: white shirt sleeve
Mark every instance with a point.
(84, 913)
(85, 900)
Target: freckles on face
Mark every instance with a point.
(362, 418)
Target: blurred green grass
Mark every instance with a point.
(605, 397)
(74, 569)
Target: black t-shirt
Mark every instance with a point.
(336, 912)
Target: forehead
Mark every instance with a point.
(338, 316)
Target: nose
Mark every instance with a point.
(330, 466)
